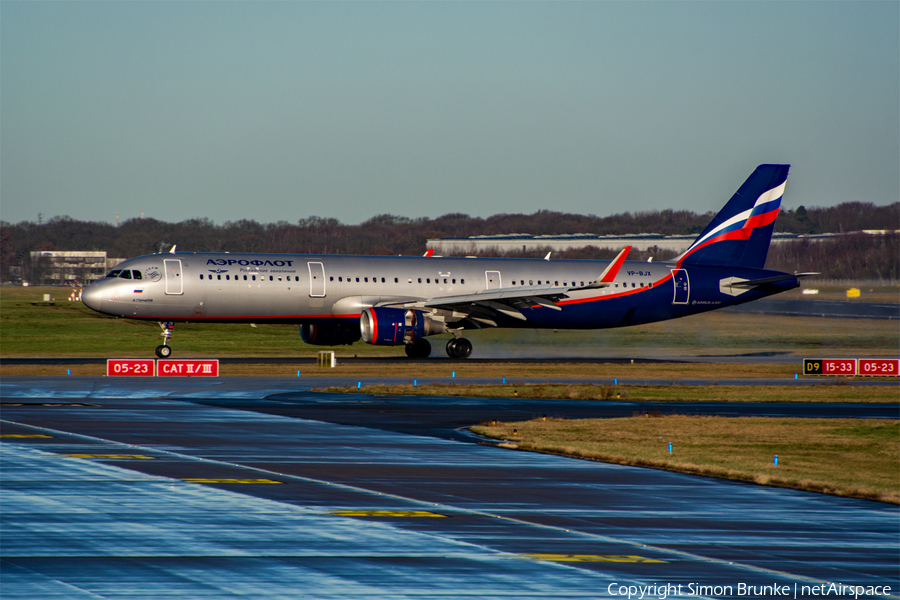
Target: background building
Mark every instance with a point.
(61, 267)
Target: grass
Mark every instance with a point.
(30, 327)
(857, 458)
(644, 393)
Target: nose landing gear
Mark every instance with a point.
(164, 350)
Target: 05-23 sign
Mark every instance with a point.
(879, 367)
(130, 367)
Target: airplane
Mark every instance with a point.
(402, 300)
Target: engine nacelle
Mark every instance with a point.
(329, 334)
(385, 326)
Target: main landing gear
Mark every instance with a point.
(459, 348)
(420, 348)
(165, 350)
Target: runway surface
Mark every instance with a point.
(834, 309)
(254, 488)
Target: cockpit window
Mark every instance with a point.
(126, 274)
(136, 275)
(114, 273)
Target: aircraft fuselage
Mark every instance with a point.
(291, 288)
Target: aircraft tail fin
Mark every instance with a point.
(740, 234)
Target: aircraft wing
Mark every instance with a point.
(481, 308)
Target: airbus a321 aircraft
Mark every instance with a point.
(389, 300)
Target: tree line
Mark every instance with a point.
(851, 256)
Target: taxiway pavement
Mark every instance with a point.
(252, 488)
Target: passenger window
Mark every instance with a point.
(556, 283)
(201, 276)
(219, 277)
(539, 282)
(650, 285)
(454, 281)
(114, 273)
(530, 282)
(521, 282)
(245, 278)
(340, 279)
(271, 278)
(420, 280)
(329, 279)
(445, 280)
(632, 284)
(125, 275)
(357, 280)
(462, 281)
(427, 280)
(136, 275)
(396, 280)
(366, 279)
(382, 280)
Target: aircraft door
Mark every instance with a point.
(492, 279)
(682, 286)
(174, 283)
(316, 280)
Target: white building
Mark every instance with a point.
(59, 267)
(639, 241)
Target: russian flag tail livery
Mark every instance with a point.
(741, 232)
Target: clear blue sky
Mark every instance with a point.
(278, 111)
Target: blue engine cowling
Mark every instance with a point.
(385, 326)
(329, 334)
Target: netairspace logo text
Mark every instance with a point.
(661, 591)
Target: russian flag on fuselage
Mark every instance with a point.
(740, 234)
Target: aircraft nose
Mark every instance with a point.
(91, 297)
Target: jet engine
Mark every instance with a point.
(329, 334)
(386, 326)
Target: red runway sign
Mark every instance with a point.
(187, 368)
(829, 366)
(879, 367)
(129, 367)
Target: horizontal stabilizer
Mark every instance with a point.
(757, 282)
(735, 286)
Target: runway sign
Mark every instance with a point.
(187, 368)
(128, 367)
(829, 366)
(879, 367)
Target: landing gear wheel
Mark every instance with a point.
(418, 349)
(459, 348)
(164, 351)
